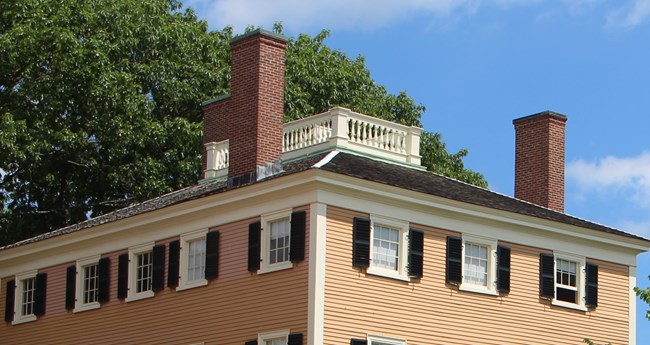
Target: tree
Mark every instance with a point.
(644, 295)
(100, 105)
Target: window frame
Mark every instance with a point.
(18, 298)
(265, 250)
(185, 240)
(262, 337)
(375, 339)
(401, 273)
(491, 287)
(134, 251)
(581, 263)
(79, 281)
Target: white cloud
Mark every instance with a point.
(630, 15)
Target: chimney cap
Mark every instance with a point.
(546, 113)
(262, 32)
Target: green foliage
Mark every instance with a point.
(100, 105)
(589, 342)
(644, 295)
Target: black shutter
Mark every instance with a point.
(212, 255)
(503, 269)
(9, 301)
(104, 286)
(454, 260)
(416, 252)
(546, 276)
(123, 276)
(172, 263)
(70, 286)
(39, 294)
(254, 239)
(295, 339)
(251, 342)
(158, 277)
(361, 242)
(358, 342)
(297, 248)
(591, 288)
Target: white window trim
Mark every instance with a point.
(18, 298)
(392, 341)
(491, 288)
(262, 337)
(580, 281)
(183, 284)
(79, 281)
(133, 252)
(401, 273)
(266, 220)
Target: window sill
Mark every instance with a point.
(24, 319)
(477, 289)
(275, 267)
(388, 274)
(569, 305)
(193, 284)
(139, 296)
(84, 307)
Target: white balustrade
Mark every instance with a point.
(338, 129)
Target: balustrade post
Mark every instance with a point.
(340, 125)
(413, 145)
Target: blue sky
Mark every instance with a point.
(477, 65)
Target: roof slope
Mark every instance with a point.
(353, 166)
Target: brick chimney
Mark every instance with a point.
(539, 159)
(250, 117)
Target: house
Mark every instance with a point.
(327, 231)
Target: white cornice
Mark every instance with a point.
(317, 185)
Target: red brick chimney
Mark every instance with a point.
(539, 159)
(251, 116)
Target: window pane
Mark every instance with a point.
(566, 273)
(385, 247)
(144, 270)
(276, 341)
(279, 241)
(196, 259)
(27, 307)
(476, 264)
(90, 280)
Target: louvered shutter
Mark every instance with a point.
(454, 260)
(211, 255)
(546, 276)
(158, 277)
(123, 276)
(172, 264)
(591, 288)
(503, 269)
(9, 300)
(361, 242)
(295, 339)
(254, 239)
(297, 247)
(104, 285)
(416, 253)
(358, 342)
(40, 293)
(70, 286)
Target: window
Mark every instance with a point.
(29, 297)
(87, 296)
(477, 264)
(193, 260)
(140, 272)
(273, 338)
(389, 246)
(276, 241)
(569, 281)
(376, 340)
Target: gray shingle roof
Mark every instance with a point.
(358, 167)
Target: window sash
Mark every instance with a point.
(279, 241)
(476, 264)
(27, 298)
(90, 283)
(144, 270)
(196, 260)
(386, 242)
